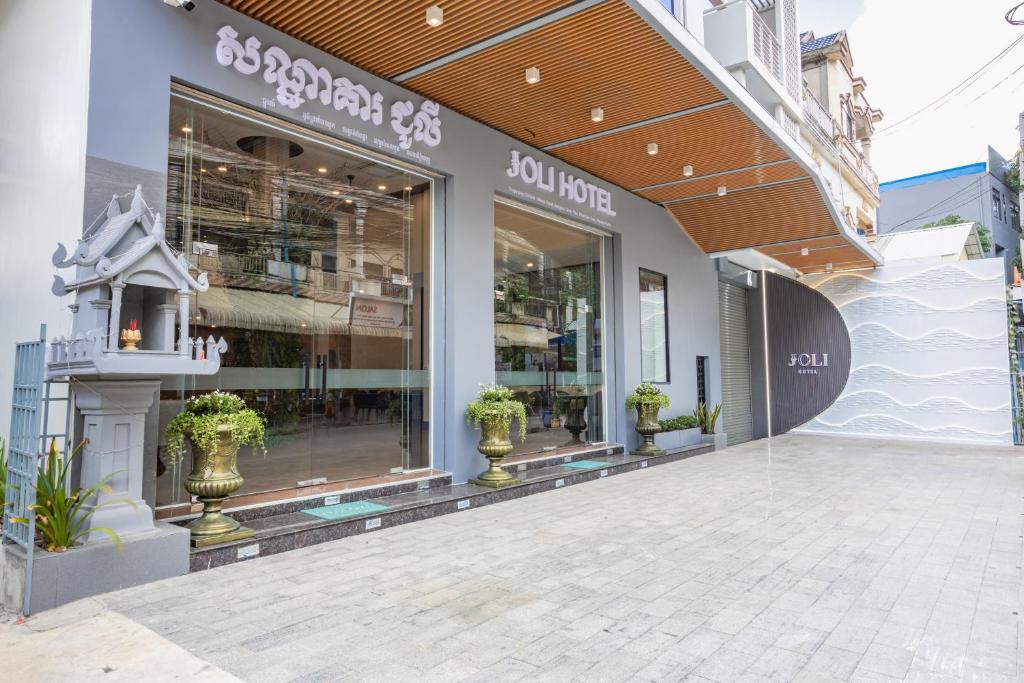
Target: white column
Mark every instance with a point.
(691, 13)
(184, 349)
(167, 312)
(113, 425)
(113, 323)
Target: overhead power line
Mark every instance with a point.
(956, 89)
(934, 208)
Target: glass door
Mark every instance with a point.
(548, 284)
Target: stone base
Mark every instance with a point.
(93, 568)
(239, 534)
(647, 452)
(500, 483)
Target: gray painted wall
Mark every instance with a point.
(45, 49)
(139, 47)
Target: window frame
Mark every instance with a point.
(668, 356)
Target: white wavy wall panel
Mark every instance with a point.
(929, 353)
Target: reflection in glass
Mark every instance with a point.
(547, 331)
(318, 263)
(653, 327)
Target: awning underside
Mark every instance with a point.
(595, 53)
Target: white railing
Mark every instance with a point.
(766, 46)
(824, 127)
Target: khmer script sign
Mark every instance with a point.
(300, 81)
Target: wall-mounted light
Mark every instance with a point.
(597, 114)
(652, 148)
(687, 171)
(435, 16)
(722, 191)
(532, 75)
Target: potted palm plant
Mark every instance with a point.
(648, 400)
(216, 424)
(707, 418)
(493, 412)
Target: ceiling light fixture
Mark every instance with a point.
(533, 75)
(222, 169)
(408, 188)
(687, 171)
(805, 251)
(529, 264)
(828, 267)
(321, 170)
(336, 192)
(597, 114)
(722, 191)
(652, 148)
(435, 16)
(382, 187)
(348, 201)
(186, 129)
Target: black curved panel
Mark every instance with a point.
(808, 352)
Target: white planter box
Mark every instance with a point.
(678, 439)
(718, 440)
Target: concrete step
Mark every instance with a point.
(296, 529)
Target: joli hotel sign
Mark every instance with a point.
(557, 183)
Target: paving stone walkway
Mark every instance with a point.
(814, 558)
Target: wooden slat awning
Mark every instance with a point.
(614, 54)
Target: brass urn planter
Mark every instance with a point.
(494, 445)
(575, 421)
(647, 426)
(213, 478)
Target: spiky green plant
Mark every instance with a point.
(707, 417)
(61, 516)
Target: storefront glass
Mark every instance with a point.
(548, 317)
(319, 269)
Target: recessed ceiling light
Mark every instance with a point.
(321, 170)
(687, 171)
(408, 188)
(597, 114)
(186, 129)
(652, 148)
(336, 192)
(222, 169)
(348, 201)
(533, 75)
(382, 188)
(529, 264)
(303, 324)
(435, 16)
(202, 170)
(722, 191)
(805, 251)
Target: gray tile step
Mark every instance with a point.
(296, 529)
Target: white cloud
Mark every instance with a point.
(912, 51)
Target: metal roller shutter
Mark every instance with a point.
(732, 307)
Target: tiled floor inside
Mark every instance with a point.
(810, 558)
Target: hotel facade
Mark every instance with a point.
(394, 203)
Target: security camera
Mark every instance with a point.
(187, 4)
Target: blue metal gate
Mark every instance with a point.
(24, 446)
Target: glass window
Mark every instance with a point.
(653, 327)
(702, 379)
(319, 270)
(997, 204)
(547, 326)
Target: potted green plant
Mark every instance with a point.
(707, 418)
(493, 412)
(648, 400)
(61, 512)
(216, 424)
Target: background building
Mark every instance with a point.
(975, 192)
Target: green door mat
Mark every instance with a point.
(343, 510)
(586, 464)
